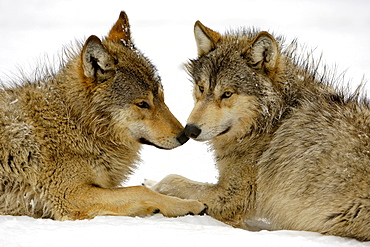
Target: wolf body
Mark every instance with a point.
(292, 150)
(68, 140)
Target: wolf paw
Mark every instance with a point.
(203, 212)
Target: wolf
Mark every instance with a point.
(71, 137)
(291, 147)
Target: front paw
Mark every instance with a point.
(186, 207)
(171, 185)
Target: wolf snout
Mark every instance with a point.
(192, 131)
(182, 138)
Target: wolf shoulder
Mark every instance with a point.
(25, 110)
(334, 131)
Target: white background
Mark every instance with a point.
(163, 30)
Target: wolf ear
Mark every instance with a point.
(96, 61)
(120, 31)
(206, 38)
(263, 52)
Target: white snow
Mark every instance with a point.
(153, 231)
(163, 30)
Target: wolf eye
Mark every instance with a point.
(227, 94)
(201, 89)
(143, 104)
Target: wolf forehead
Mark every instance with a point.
(135, 74)
(226, 63)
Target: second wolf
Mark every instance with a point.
(291, 149)
(68, 139)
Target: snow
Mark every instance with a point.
(164, 32)
(153, 231)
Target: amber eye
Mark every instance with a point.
(227, 94)
(201, 89)
(143, 104)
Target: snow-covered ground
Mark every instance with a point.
(163, 30)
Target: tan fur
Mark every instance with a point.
(68, 140)
(292, 150)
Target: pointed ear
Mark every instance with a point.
(120, 31)
(97, 64)
(263, 52)
(206, 38)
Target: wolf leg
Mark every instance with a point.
(179, 186)
(90, 201)
(225, 202)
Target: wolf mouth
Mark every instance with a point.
(225, 131)
(145, 141)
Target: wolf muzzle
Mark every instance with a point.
(182, 138)
(192, 131)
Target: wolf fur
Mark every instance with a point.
(69, 139)
(292, 150)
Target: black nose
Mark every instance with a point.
(182, 138)
(192, 131)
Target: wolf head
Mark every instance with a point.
(123, 88)
(232, 76)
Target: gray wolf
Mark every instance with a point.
(69, 138)
(292, 148)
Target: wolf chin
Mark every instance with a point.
(69, 139)
(292, 149)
